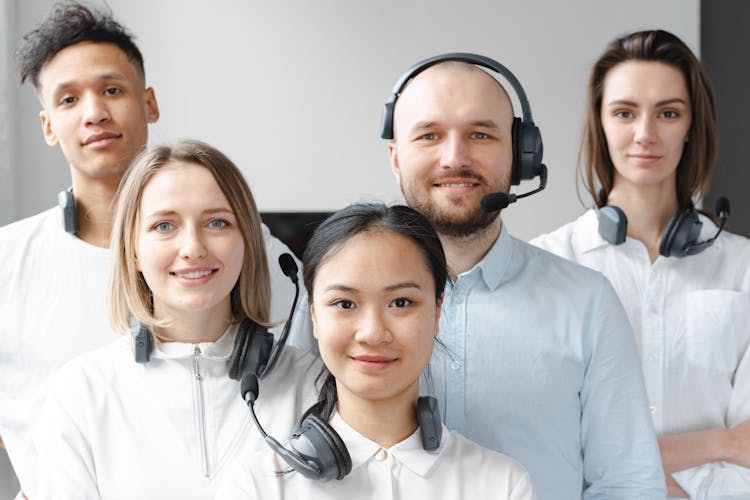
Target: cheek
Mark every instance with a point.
(333, 339)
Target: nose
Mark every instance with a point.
(95, 110)
(454, 152)
(192, 246)
(372, 328)
(645, 130)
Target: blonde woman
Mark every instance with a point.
(155, 414)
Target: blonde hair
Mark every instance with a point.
(130, 297)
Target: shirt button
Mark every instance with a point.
(652, 309)
(459, 299)
(652, 409)
(455, 365)
(652, 357)
(381, 455)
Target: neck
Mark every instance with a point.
(192, 328)
(648, 209)
(94, 208)
(463, 253)
(386, 422)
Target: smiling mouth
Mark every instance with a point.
(194, 275)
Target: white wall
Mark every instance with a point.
(293, 91)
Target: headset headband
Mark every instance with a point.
(476, 59)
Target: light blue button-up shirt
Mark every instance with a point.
(539, 363)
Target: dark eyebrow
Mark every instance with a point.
(619, 102)
(397, 286)
(116, 77)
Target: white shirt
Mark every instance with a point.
(459, 469)
(691, 320)
(112, 428)
(53, 307)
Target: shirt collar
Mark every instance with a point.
(408, 452)
(221, 349)
(589, 238)
(493, 266)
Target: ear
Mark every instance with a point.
(49, 135)
(314, 321)
(437, 313)
(393, 156)
(152, 107)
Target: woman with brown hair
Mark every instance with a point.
(649, 146)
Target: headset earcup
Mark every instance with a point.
(682, 231)
(516, 136)
(239, 352)
(613, 224)
(328, 449)
(533, 152)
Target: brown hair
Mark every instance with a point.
(130, 296)
(698, 156)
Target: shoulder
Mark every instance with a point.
(16, 234)
(482, 463)
(554, 269)
(568, 240)
(93, 372)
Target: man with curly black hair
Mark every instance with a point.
(89, 77)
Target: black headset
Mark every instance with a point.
(317, 451)
(680, 238)
(67, 203)
(525, 136)
(253, 350)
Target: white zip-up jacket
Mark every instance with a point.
(167, 429)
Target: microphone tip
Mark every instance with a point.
(494, 202)
(722, 207)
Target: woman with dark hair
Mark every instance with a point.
(375, 277)
(649, 146)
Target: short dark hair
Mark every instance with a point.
(343, 225)
(699, 153)
(68, 24)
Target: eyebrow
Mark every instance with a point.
(210, 211)
(116, 77)
(476, 123)
(618, 102)
(336, 287)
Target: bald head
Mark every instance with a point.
(451, 90)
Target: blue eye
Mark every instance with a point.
(218, 224)
(479, 135)
(163, 227)
(401, 302)
(428, 137)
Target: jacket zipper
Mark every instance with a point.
(200, 411)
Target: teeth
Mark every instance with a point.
(461, 185)
(195, 275)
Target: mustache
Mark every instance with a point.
(463, 174)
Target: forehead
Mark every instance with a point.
(86, 61)
(453, 92)
(178, 183)
(644, 80)
(374, 259)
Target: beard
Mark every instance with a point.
(456, 217)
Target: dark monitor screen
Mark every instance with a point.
(293, 228)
